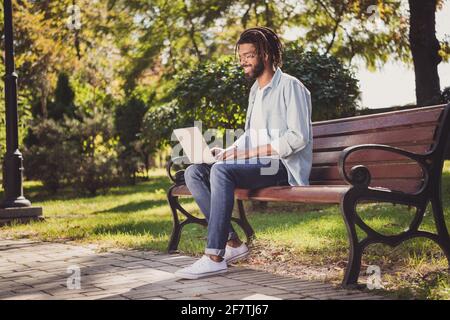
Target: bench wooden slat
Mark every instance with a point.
(307, 194)
(377, 121)
(332, 157)
(321, 194)
(404, 185)
(421, 135)
(319, 191)
(377, 171)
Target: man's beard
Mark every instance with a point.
(256, 72)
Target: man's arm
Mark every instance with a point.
(260, 151)
(298, 107)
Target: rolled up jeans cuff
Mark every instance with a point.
(215, 252)
(232, 236)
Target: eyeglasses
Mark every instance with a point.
(245, 57)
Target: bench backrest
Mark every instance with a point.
(414, 130)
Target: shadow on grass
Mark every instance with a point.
(134, 206)
(154, 229)
(37, 193)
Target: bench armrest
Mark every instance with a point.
(178, 178)
(360, 175)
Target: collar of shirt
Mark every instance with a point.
(272, 84)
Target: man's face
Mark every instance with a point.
(250, 61)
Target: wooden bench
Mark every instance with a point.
(395, 157)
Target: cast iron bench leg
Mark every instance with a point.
(177, 226)
(243, 223)
(439, 220)
(355, 255)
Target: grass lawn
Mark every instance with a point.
(305, 241)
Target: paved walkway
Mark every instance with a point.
(43, 270)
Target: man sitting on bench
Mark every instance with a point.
(276, 149)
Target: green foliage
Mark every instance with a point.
(123, 46)
(81, 152)
(128, 119)
(63, 105)
(215, 93)
(158, 124)
(97, 161)
(334, 89)
(128, 126)
(47, 152)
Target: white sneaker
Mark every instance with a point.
(202, 268)
(234, 254)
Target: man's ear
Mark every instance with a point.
(266, 59)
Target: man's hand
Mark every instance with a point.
(261, 151)
(237, 154)
(216, 151)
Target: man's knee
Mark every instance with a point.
(194, 172)
(220, 169)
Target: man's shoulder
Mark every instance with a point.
(288, 81)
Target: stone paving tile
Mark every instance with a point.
(39, 270)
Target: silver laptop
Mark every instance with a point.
(194, 145)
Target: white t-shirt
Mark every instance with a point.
(257, 127)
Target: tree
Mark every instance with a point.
(376, 31)
(128, 126)
(46, 44)
(63, 105)
(425, 51)
(176, 35)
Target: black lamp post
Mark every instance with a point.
(14, 204)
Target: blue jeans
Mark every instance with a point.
(212, 187)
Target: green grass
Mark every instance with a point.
(313, 237)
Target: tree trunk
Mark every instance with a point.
(424, 48)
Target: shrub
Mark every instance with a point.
(81, 152)
(97, 163)
(47, 152)
(217, 93)
(334, 89)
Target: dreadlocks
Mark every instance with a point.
(266, 42)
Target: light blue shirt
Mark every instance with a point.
(286, 113)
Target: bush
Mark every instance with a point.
(46, 153)
(81, 152)
(97, 162)
(334, 90)
(217, 93)
(157, 126)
